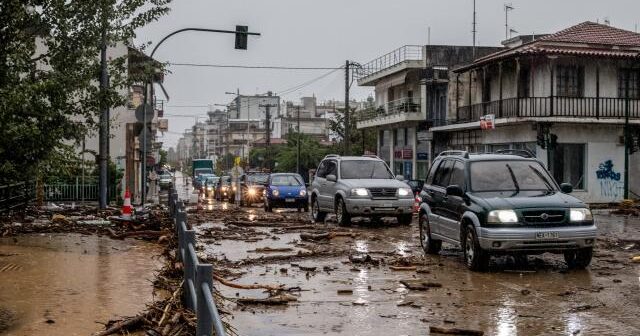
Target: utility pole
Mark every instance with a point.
(346, 109)
(627, 135)
(104, 113)
(298, 142)
(474, 29)
(268, 130)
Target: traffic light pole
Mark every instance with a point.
(241, 33)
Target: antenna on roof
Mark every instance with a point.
(607, 21)
(474, 29)
(507, 7)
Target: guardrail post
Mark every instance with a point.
(189, 270)
(204, 275)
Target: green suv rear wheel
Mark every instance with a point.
(429, 245)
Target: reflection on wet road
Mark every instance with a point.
(66, 284)
(349, 297)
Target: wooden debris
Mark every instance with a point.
(345, 291)
(269, 249)
(455, 331)
(239, 286)
(402, 268)
(281, 299)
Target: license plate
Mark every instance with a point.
(290, 200)
(387, 205)
(547, 235)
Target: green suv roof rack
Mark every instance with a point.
(462, 153)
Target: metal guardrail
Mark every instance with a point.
(14, 196)
(75, 190)
(198, 277)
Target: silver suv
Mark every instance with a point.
(359, 186)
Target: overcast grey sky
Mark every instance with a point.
(324, 33)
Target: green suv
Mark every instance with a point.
(502, 203)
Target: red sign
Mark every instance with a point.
(487, 122)
(407, 154)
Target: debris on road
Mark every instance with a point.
(455, 331)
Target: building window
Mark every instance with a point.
(633, 77)
(568, 164)
(400, 132)
(524, 82)
(570, 81)
(406, 137)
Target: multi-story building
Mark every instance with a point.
(311, 119)
(567, 97)
(200, 142)
(247, 122)
(411, 92)
(216, 128)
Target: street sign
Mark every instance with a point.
(487, 122)
(140, 113)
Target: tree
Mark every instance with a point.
(311, 153)
(163, 158)
(361, 140)
(49, 70)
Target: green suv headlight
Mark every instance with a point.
(502, 217)
(580, 215)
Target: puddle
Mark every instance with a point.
(65, 284)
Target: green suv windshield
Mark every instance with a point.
(510, 175)
(364, 169)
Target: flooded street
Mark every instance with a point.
(66, 284)
(373, 279)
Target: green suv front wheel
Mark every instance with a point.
(579, 259)
(476, 258)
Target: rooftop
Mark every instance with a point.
(584, 39)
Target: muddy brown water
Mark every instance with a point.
(541, 297)
(67, 284)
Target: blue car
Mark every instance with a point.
(285, 190)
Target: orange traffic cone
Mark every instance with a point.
(126, 206)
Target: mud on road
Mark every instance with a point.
(373, 279)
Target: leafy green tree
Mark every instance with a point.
(163, 157)
(49, 71)
(311, 153)
(361, 140)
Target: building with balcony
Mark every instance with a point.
(568, 97)
(411, 95)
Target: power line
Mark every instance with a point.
(271, 67)
(307, 83)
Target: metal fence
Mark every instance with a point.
(15, 195)
(75, 190)
(198, 277)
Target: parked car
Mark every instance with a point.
(492, 204)
(225, 190)
(210, 184)
(253, 185)
(415, 185)
(285, 190)
(198, 183)
(359, 186)
(165, 181)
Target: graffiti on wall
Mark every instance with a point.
(610, 184)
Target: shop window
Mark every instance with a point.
(568, 164)
(570, 81)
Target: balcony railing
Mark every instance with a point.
(402, 54)
(394, 107)
(572, 107)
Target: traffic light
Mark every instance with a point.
(241, 37)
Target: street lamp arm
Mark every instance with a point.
(200, 30)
